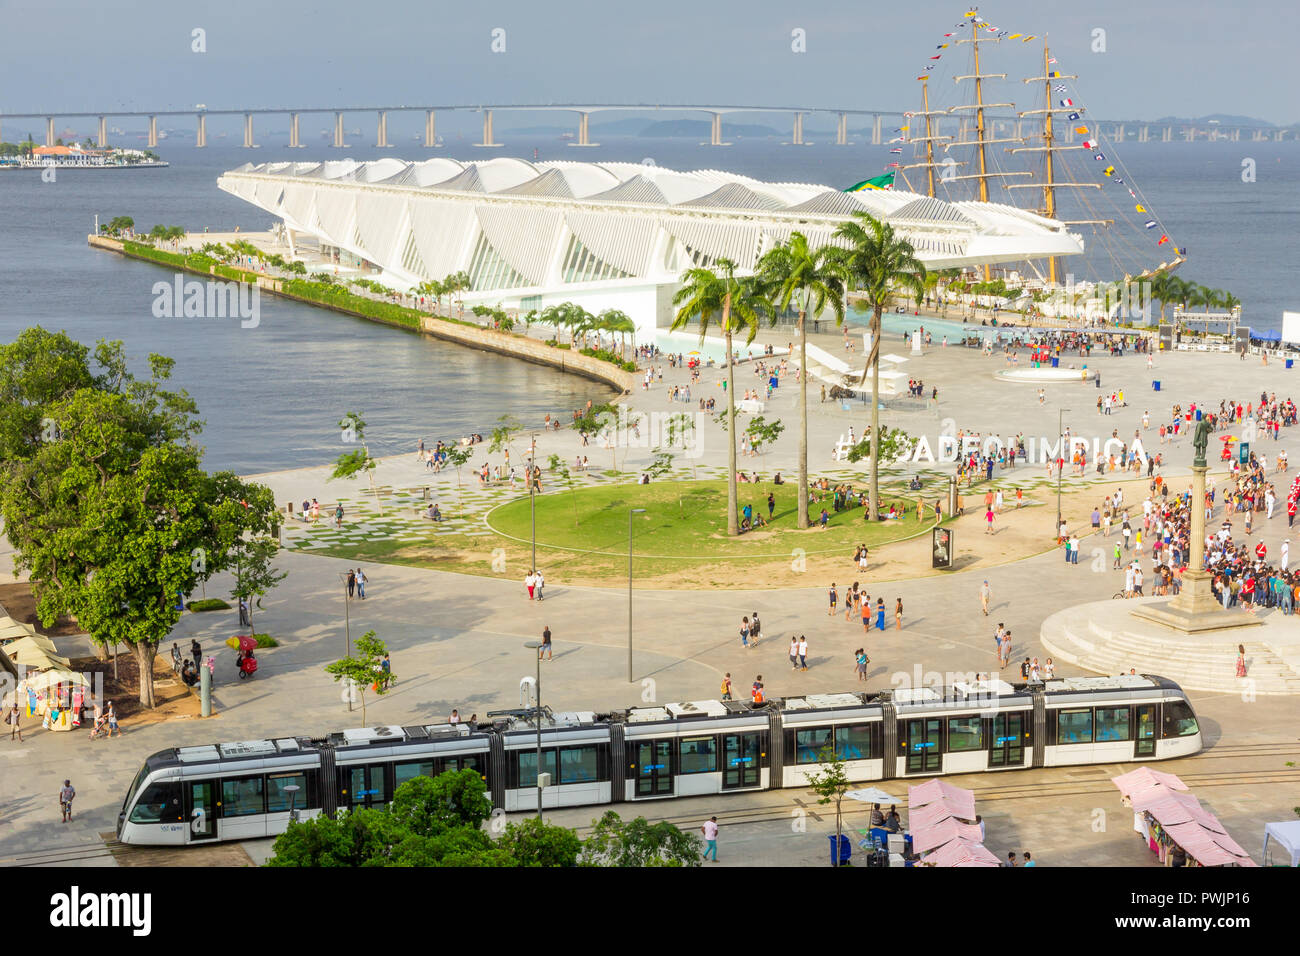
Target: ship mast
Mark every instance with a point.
(1049, 149)
(981, 141)
(929, 139)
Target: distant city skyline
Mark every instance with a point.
(1154, 61)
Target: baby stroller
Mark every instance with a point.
(247, 665)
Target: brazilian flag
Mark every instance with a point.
(879, 182)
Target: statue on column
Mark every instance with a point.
(1200, 440)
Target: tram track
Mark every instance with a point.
(770, 810)
(65, 855)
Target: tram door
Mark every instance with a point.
(741, 761)
(200, 810)
(654, 768)
(1007, 742)
(1145, 738)
(924, 745)
(366, 786)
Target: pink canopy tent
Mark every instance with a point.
(935, 813)
(1208, 847)
(1143, 778)
(961, 853)
(932, 791)
(928, 838)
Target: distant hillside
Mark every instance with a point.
(701, 129)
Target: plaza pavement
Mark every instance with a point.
(457, 641)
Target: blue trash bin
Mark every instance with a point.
(1056, 362)
(1156, 385)
(1289, 362)
(846, 849)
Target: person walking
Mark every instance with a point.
(1074, 548)
(744, 632)
(361, 584)
(755, 628)
(530, 582)
(244, 620)
(1241, 660)
(710, 831)
(338, 516)
(866, 613)
(756, 690)
(196, 652)
(803, 652)
(880, 614)
(986, 593)
(726, 686)
(898, 614)
(988, 520)
(66, 796)
(546, 643)
(352, 583)
(834, 598)
(860, 662)
(14, 718)
(110, 717)
(794, 653)
(541, 584)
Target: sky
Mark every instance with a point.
(1158, 58)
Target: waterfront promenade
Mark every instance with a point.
(457, 640)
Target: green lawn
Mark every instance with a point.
(688, 519)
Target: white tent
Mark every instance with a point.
(1288, 835)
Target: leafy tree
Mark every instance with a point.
(530, 842)
(254, 573)
(661, 465)
(877, 261)
(814, 279)
(763, 433)
(120, 224)
(104, 500)
(830, 784)
(363, 668)
(457, 456)
(361, 837)
(430, 805)
(503, 434)
(737, 305)
(616, 842)
(349, 464)
(894, 444)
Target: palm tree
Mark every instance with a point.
(1160, 290)
(877, 260)
(615, 320)
(814, 278)
(1206, 296)
(737, 305)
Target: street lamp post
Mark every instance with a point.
(537, 646)
(347, 629)
(532, 501)
(292, 791)
(633, 511)
(1060, 436)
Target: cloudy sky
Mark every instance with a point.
(1159, 59)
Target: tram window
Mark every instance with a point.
(528, 766)
(242, 797)
(1179, 721)
(809, 744)
(853, 743)
(965, 733)
(578, 765)
(403, 772)
(1113, 724)
(161, 802)
(1074, 726)
(277, 801)
(698, 755)
(470, 762)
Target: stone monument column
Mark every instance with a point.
(1196, 596)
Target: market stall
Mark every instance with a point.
(57, 696)
(1174, 825)
(1286, 837)
(944, 831)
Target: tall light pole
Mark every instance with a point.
(537, 646)
(532, 501)
(347, 628)
(1060, 436)
(633, 511)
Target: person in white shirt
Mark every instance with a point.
(1128, 581)
(541, 583)
(803, 652)
(710, 831)
(530, 582)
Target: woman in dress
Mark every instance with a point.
(1241, 660)
(880, 614)
(898, 614)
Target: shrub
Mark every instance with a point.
(265, 640)
(209, 604)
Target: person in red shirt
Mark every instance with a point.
(1261, 551)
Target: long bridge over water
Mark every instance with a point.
(1012, 125)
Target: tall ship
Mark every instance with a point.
(972, 140)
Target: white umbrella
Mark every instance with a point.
(872, 795)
